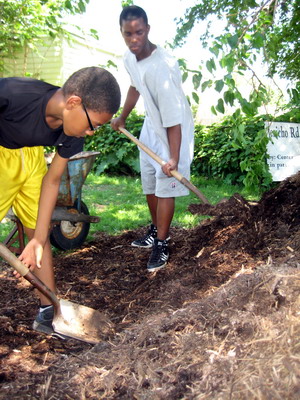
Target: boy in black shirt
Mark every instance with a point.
(35, 114)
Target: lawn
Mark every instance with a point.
(121, 205)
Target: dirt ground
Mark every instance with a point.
(220, 322)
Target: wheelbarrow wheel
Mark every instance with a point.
(70, 235)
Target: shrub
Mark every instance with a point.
(118, 155)
(234, 150)
(290, 116)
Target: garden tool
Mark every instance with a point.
(70, 319)
(175, 173)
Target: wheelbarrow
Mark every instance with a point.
(70, 223)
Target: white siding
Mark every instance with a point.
(79, 54)
(57, 59)
(45, 65)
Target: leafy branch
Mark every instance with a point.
(253, 32)
(26, 23)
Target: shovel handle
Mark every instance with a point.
(21, 268)
(12, 260)
(175, 173)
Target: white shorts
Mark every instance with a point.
(162, 186)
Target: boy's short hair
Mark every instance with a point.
(97, 88)
(131, 13)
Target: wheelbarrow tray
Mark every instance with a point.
(71, 219)
(74, 176)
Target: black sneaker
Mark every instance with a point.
(147, 240)
(159, 255)
(43, 323)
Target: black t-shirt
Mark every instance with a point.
(23, 104)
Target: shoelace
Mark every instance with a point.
(157, 252)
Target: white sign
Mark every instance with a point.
(283, 150)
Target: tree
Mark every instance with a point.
(127, 3)
(24, 23)
(267, 29)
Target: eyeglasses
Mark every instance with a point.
(88, 118)
(92, 128)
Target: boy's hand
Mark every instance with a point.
(31, 256)
(169, 166)
(117, 123)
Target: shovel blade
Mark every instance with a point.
(81, 322)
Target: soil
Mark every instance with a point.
(221, 321)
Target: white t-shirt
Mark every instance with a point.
(158, 80)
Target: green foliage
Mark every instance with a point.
(252, 30)
(234, 150)
(295, 96)
(25, 23)
(196, 78)
(127, 3)
(118, 155)
(282, 42)
(292, 115)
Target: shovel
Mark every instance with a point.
(175, 173)
(70, 319)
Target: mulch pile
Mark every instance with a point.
(221, 321)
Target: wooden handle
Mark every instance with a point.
(142, 146)
(175, 173)
(14, 262)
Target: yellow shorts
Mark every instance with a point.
(21, 174)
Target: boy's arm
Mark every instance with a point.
(174, 139)
(130, 102)
(32, 253)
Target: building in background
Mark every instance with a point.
(55, 60)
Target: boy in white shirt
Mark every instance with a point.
(168, 129)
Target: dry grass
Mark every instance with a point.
(225, 346)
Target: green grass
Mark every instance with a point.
(121, 205)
